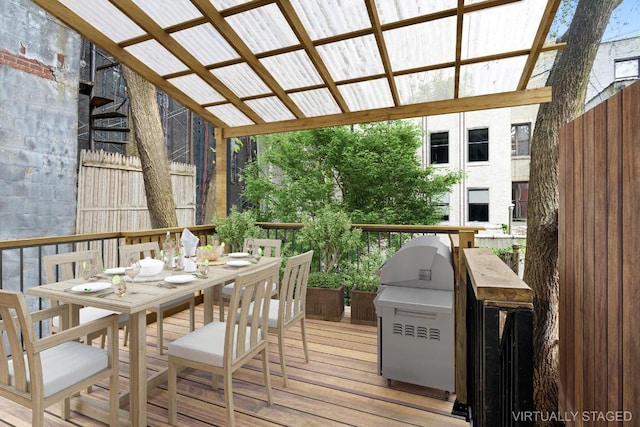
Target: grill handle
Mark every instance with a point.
(413, 313)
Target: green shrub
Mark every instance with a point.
(362, 276)
(319, 279)
(237, 227)
(330, 235)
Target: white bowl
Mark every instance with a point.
(150, 267)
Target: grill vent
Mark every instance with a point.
(422, 332)
(409, 331)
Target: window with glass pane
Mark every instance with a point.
(520, 197)
(478, 204)
(442, 204)
(479, 145)
(627, 69)
(520, 139)
(439, 147)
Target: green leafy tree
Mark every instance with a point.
(371, 171)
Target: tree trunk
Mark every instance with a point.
(149, 136)
(569, 78)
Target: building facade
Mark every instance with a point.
(492, 147)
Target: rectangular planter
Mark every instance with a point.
(363, 312)
(325, 304)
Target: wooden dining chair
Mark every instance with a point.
(222, 348)
(289, 308)
(37, 373)
(269, 248)
(152, 249)
(66, 266)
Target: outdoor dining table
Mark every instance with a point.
(146, 294)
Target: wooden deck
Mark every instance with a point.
(339, 386)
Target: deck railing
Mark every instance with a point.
(21, 259)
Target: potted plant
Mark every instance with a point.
(325, 297)
(363, 280)
(330, 235)
(237, 227)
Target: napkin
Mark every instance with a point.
(189, 242)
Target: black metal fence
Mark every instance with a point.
(499, 362)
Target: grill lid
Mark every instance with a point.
(422, 262)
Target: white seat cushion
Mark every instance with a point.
(274, 306)
(205, 344)
(67, 364)
(88, 314)
(273, 312)
(227, 290)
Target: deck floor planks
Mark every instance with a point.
(339, 386)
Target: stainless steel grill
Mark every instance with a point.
(416, 316)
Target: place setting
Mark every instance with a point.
(243, 259)
(91, 288)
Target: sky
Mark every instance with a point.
(624, 22)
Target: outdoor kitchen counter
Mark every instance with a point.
(493, 280)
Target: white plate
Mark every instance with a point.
(238, 255)
(239, 263)
(115, 270)
(180, 278)
(91, 287)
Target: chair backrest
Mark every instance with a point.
(293, 288)
(16, 332)
(247, 328)
(68, 264)
(270, 247)
(144, 250)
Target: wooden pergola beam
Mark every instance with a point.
(474, 103)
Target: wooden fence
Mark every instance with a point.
(111, 195)
(599, 265)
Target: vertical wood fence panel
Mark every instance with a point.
(614, 251)
(599, 265)
(631, 247)
(111, 195)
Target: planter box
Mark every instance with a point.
(363, 312)
(325, 304)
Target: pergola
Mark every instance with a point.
(265, 66)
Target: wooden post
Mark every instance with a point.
(221, 173)
(466, 240)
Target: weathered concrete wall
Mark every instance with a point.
(38, 129)
(38, 122)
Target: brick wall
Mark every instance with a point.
(31, 66)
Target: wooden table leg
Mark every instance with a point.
(137, 367)
(208, 304)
